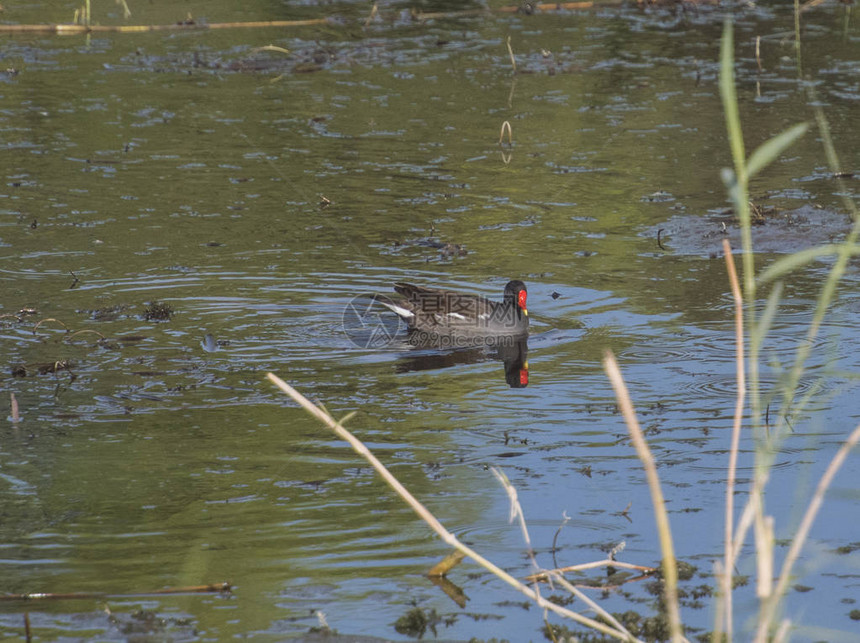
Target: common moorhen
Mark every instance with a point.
(451, 314)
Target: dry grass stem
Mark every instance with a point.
(763, 529)
(126, 12)
(557, 6)
(448, 563)
(511, 54)
(670, 569)
(593, 565)
(744, 525)
(72, 29)
(434, 524)
(49, 319)
(14, 411)
(728, 560)
(718, 635)
(506, 127)
(212, 588)
(565, 584)
(758, 53)
(374, 11)
(782, 631)
(363, 451)
(83, 332)
(772, 602)
(190, 24)
(275, 48)
(810, 4)
(516, 511)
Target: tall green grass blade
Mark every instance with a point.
(797, 39)
(792, 262)
(768, 151)
(738, 188)
(764, 324)
(730, 97)
(739, 194)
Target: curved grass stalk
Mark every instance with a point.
(728, 556)
(771, 605)
(550, 575)
(661, 517)
(433, 522)
(768, 440)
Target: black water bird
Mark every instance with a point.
(455, 315)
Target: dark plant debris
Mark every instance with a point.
(446, 249)
(158, 311)
(43, 368)
(416, 622)
(107, 313)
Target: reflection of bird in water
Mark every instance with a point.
(458, 316)
(511, 351)
(515, 356)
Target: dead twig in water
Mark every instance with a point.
(506, 156)
(516, 513)
(374, 11)
(810, 4)
(554, 6)
(81, 332)
(214, 588)
(15, 416)
(49, 319)
(271, 48)
(73, 29)
(192, 25)
(607, 562)
(445, 565)
(506, 127)
(511, 54)
(758, 52)
(566, 519)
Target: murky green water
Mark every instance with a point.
(190, 169)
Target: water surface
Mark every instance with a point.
(256, 194)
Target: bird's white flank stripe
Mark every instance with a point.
(401, 312)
